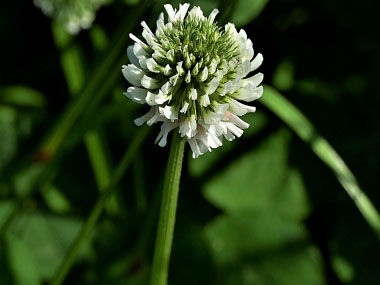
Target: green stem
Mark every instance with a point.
(297, 121)
(160, 267)
(90, 223)
(104, 78)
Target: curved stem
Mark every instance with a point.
(160, 267)
(90, 223)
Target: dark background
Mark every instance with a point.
(296, 224)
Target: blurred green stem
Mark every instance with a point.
(74, 71)
(59, 131)
(90, 223)
(297, 121)
(101, 81)
(164, 239)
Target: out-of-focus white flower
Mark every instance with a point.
(74, 14)
(193, 74)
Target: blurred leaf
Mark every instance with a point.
(131, 2)
(22, 262)
(22, 96)
(55, 199)
(6, 207)
(198, 166)
(283, 77)
(242, 233)
(99, 38)
(246, 11)
(262, 248)
(343, 269)
(260, 180)
(48, 238)
(306, 131)
(25, 180)
(8, 135)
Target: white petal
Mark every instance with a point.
(204, 74)
(137, 40)
(141, 120)
(160, 26)
(170, 55)
(235, 120)
(166, 128)
(145, 26)
(256, 62)
(161, 16)
(188, 127)
(150, 83)
(167, 88)
(211, 118)
(248, 50)
(136, 94)
(171, 12)
(182, 11)
(149, 38)
(229, 136)
(212, 67)
(138, 50)
(133, 74)
(193, 94)
(249, 93)
(150, 98)
(162, 98)
(234, 129)
(238, 108)
(180, 69)
(168, 70)
(152, 65)
(204, 100)
(212, 15)
(170, 112)
(197, 13)
(184, 107)
(254, 81)
(194, 147)
(174, 79)
(212, 85)
(244, 68)
(230, 28)
(132, 58)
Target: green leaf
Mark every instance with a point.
(246, 11)
(343, 269)
(54, 198)
(283, 77)
(294, 118)
(260, 247)
(22, 96)
(22, 262)
(25, 180)
(8, 135)
(260, 180)
(6, 207)
(48, 238)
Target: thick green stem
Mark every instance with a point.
(90, 223)
(160, 267)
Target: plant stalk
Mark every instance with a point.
(90, 222)
(164, 239)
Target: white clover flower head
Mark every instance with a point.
(75, 15)
(192, 74)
